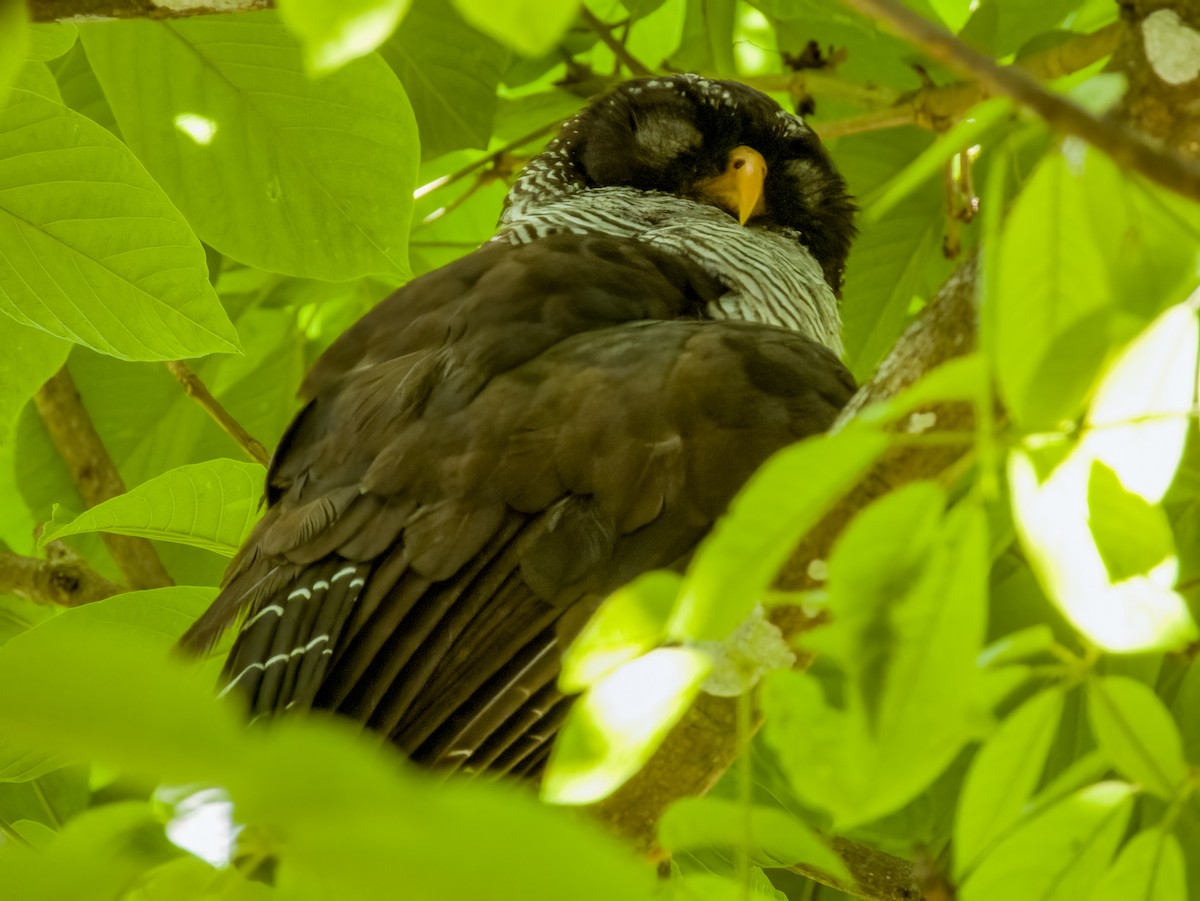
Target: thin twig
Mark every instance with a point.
(632, 63)
(62, 578)
(489, 159)
(95, 475)
(197, 390)
(1127, 148)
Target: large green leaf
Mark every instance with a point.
(91, 250)
(305, 177)
(1135, 729)
(450, 72)
(211, 505)
(337, 810)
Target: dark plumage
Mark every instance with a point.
(504, 441)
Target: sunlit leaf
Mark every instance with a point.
(212, 505)
(631, 621)
(1003, 777)
(105, 259)
(782, 501)
(1135, 729)
(1059, 855)
(310, 178)
(619, 722)
(771, 836)
(1137, 427)
(531, 27)
(711, 887)
(1141, 413)
(335, 33)
(1149, 868)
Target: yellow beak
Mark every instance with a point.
(739, 189)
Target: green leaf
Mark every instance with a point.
(50, 40)
(50, 799)
(1000, 27)
(1132, 536)
(1020, 645)
(335, 33)
(31, 356)
(1050, 277)
(934, 158)
(80, 89)
(531, 27)
(885, 267)
(1149, 868)
(337, 810)
(1061, 854)
(105, 260)
(1003, 777)
(14, 42)
(98, 855)
(91, 691)
(737, 563)
(450, 72)
(211, 505)
(1135, 729)
(20, 763)
(707, 41)
(772, 836)
(906, 697)
(310, 178)
(711, 887)
(616, 725)
(630, 622)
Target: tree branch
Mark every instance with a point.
(1127, 148)
(66, 10)
(94, 474)
(197, 390)
(62, 578)
(937, 107)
